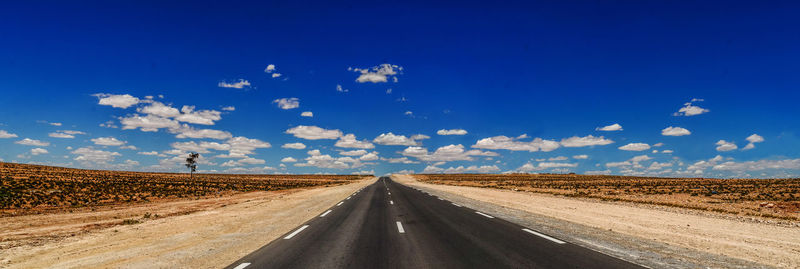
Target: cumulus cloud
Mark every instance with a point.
(242, 162)
(754, 138)
(403, 160)
(723, 145)
(319, 160)
(287, 103)
(675, 131)
(350, 141)
(452, 132)
(689, 109)
(288, 160)
(270, 68)
(307, 114)
(372, 156)
(6, 134)
(204, 117)
(529, 167)
(610, 128)
(229, 108)
(353, 152)
(378, 74)
(313, 132)
(635, 147)
(116, 100)
(32, 142)
(149, 123)
(107, 141)
(513, 144)
(581, 157)
(391, 139)
(241, 84)
(88, 154)
(297, 145)
(37, 151)
(789, 164)
(339, 88)
(65, 134)
(585, 141)
(445, 153)
(188, 132)
(159, 109)
(149, 153)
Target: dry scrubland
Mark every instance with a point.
(31, 189)
(769, 198)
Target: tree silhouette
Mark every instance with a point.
(191, 162)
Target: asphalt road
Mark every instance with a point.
(389, 225)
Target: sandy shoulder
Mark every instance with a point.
(211, 238)
(762, 243)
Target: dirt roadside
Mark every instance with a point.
(220, 231)
(648, 235)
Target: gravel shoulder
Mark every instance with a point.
(205, 233)
(653, 236)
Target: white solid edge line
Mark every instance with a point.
(241, 266)
(483, 214)
(400, 228)
(296, 232)
(544, 236)
(440, 198)
(326, 213)
(340, 203)
(456, 205)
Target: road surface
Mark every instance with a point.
(390, 225)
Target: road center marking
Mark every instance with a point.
(400, 228)
(348, 197)
(391, 202)
(296, 232)
(544, 236)
(485, 215)
(242, 266)
(456, 205)
(326, 213)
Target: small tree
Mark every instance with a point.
(191, 162)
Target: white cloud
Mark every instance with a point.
(340, 89)
(461, 169)
(419, 137)
(307, 114)
(116, 100)
(585, 141)
(675, 131)
(319, 160)
(409, 113)
(350, 141)
(242, 161)
(790, 164)
(667, 151)
(581, 157)
(609, 128)
(32, 142)
(88, 154)
(598, 172)
(753, 139)
(528, 167)
(445, 153)
(204, 117)
(186, 131)
(364, 172)
(149, 153)
(513, 144)
(297, 145)
(452, 132)
(658, 166)
(723, 145)
(159, 109)
(391, 139)
(229, 108)
(65, 134)
(558, 158)
(378, 74)
(107, 141)
(270, 68)
(353, 152)
(403, 160)
(236, 85)
(6, 134)
(313, 132)
(288, 160)
(287, 103)
(689, 109)
(37, 151)
(147, 123)
(635, 147)
(372, 156)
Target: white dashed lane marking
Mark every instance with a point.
(296, 232)
(400, 228)
(326, 213)
(340, 203)
(456, 205)
(544, 236)
(483, 214)
(242, 266)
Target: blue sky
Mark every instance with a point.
(521, 87)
